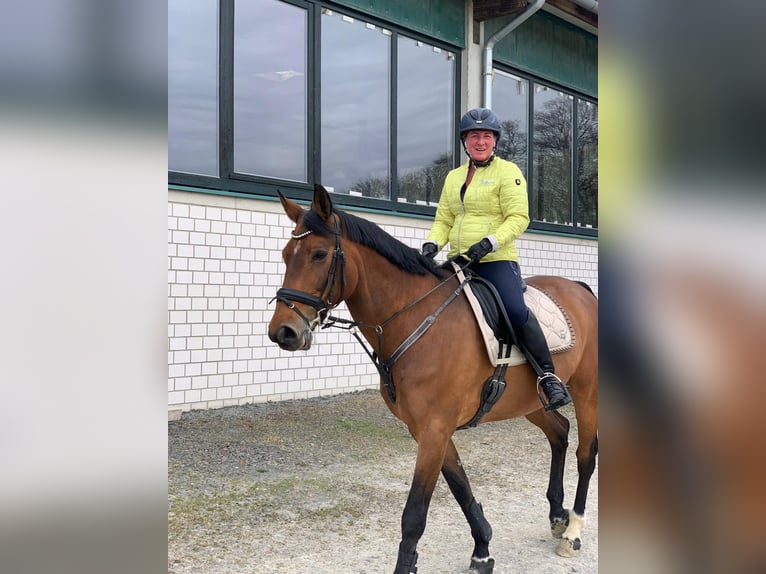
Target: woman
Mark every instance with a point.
(483, 208)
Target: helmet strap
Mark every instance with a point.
(484, 163)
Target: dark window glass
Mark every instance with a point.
(193, 86)
(270, 96)
(355, 106)
(510, 97)
(586, 193)
(551, 199)
(385, 105)
(425, 124)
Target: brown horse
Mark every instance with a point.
(389, 289)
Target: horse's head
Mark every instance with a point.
(315, 274)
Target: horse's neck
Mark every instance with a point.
(382, 290)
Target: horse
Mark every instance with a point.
(434, 385)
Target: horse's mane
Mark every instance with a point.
(370, 235)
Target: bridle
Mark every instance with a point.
(337, 267)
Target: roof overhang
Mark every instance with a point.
(564, 9)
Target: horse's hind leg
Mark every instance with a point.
(454, 474)
(587, 449)
(556, 429)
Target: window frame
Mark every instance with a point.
(252, 185)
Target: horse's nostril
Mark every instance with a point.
(286, 335)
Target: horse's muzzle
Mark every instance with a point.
(291, 340)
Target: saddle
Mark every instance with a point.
(496, 329)
(498, 334)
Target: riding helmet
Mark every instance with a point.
(480, 119)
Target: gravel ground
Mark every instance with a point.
(317, 486)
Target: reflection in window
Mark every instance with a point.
(270, 98)
(552, 155)
(355, 106)
(193, 87)
(586, 193)
(425, 119)
(511, 96)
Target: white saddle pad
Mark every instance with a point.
(555, 324)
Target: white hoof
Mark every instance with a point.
(571, 543)
(569, 548)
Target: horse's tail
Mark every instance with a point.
(586, 286)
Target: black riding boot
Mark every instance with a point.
(531, 337)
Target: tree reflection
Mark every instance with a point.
(513, 144)
(586, 192)
(423, 184)
(552, 161)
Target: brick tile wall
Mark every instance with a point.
(224, 265)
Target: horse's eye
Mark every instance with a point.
(319, 255)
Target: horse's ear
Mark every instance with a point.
(292, 209)
(322, 202)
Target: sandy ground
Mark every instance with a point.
(317, 486)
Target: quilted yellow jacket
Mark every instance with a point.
(495, 206)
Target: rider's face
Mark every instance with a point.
(480, 144)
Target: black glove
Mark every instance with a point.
(430, 249)
(478, 250)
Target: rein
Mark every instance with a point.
(384, 367)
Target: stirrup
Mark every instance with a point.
(548, 406)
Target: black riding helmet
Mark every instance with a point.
(480, 119)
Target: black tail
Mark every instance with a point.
(586, 286)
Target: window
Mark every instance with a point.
(425, 124)
(193, 86)
(558, 154)
(270, 90)
(267, 94)
(512, 109)
(586, 194)
(355, 106)
(552, 157)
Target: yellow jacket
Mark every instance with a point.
(495, 206)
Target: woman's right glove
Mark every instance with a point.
(430, 249)
(478, 250)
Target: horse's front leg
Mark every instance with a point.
(431, 449)
(454, 474)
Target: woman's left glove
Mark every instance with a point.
(430, 249)
(478, 250)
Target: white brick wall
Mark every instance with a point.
(224, 265)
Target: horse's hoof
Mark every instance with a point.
(482, 565)
(558, 526)
(569, 548)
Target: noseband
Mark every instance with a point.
(338, 265)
